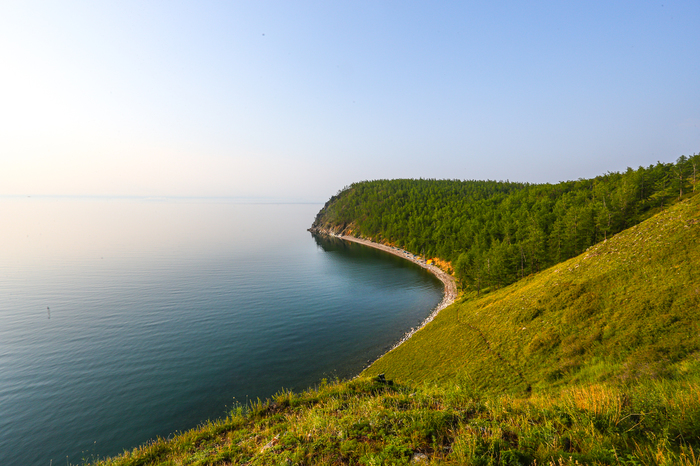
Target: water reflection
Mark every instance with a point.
(351, 252)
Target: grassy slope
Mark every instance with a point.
(607, 341)
(627, 308)
(366, 422)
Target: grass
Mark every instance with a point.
(594, 361)
(365, 421)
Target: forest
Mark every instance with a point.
(496, 232)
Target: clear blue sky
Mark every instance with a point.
(294, 100)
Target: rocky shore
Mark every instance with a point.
(450, 294)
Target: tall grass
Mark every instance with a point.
(365, 421)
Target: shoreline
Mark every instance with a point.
(449, 296)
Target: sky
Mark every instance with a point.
(294, 100)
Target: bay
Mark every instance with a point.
(126, 319)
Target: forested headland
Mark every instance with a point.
(595, 361)
(496, 232)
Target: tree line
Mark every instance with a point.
(496, 232)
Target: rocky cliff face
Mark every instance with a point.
(323, 225)
(331, 230)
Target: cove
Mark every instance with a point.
(128, 319)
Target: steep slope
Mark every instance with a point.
(625, 309)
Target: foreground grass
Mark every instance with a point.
(365, 421)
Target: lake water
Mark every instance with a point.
(126, 319)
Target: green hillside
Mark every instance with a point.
(595, 360)
(625, 309)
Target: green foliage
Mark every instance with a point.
(495, 233)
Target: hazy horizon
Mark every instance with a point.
(294, 101)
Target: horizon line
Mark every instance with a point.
(165, 198)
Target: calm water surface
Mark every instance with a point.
(123, 320)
